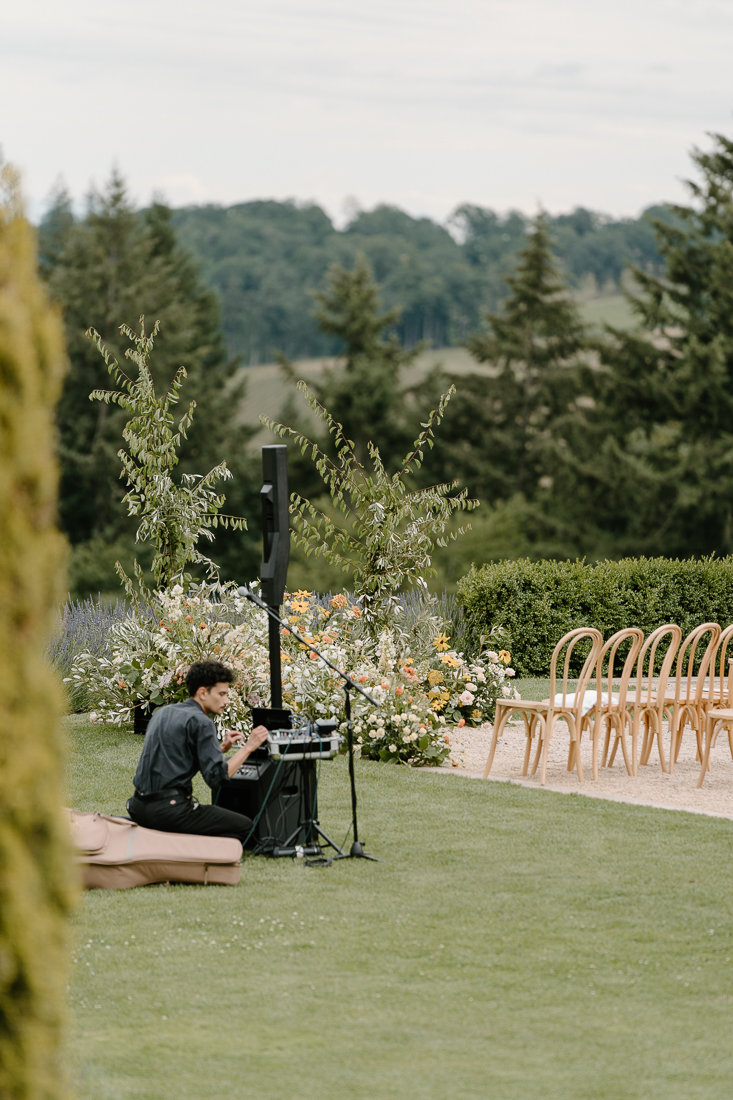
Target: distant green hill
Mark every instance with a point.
(264, 258)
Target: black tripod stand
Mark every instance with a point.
(357, 850)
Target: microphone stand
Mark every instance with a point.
(357, 850)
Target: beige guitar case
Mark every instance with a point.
(115, 854)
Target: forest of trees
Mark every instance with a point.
(577, 442)
(266, 258)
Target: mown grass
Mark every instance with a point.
(513, 944)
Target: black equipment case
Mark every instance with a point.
(291, 804)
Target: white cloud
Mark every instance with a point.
(424, 103)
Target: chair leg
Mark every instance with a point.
(613, 750)
(634, 742)
(606, 743)
(537, 755)
(499, 724)
(621, 736)
(545, 748)
(596, 737)
(706, 753)
(647, 740)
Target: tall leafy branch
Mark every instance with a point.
(173, 517)
(382, 531)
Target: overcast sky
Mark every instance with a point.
(420, 103)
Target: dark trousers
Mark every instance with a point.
(179, 814)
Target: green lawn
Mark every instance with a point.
(513, 944)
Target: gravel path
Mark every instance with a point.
(470, 749)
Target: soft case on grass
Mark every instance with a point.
(116, 854)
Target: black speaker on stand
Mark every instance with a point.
(291, 803)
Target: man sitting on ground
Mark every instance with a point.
(181, 741)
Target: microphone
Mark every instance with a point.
(248, 594)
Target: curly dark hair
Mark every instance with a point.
(206, 674)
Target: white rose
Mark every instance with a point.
(466, 699)
(176, 590)
(492, 655)
(393, 748)
(510, 672)
(380, 731)
(93, 716)
(471, 687)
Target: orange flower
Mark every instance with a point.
(189, 619)
(121, 683)
(447, 739)
(339, 601)
(285, 632)
(461, 722)
(399, 690)
(362, 679)
(385, 686)
(313, 656)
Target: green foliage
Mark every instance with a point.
(172, 517)
(35, 860)
(458, 931)
(364, 393)
(382, 532)
(644, 461)
(264, 259)
(536, 602)
(499, 427)
(112, 264)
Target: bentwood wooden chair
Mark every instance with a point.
(685, 695)
(646, 703)
(540, 717)
(718, 717)
(715, 697)
(609, 708)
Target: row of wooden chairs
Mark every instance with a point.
(697, 693)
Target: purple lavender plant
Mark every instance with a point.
(84, 628)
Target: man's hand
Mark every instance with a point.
(231, 737)
(257, 737)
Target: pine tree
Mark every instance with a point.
(35, 860)
(106, 269)
(365, 392)
(648, 463)
(498, 427)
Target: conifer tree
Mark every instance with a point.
(365, 393)
(498, 427)
(35, 860)
(648, 463)
(106, 269)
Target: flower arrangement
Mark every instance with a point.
(150, 650)
(420, 684)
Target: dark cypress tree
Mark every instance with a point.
(109, 267)
(497, 428)
(36, 870)
(365, 393)
(648, 462)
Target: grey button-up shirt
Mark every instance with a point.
(180, 741)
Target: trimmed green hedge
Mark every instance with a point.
(539, 601)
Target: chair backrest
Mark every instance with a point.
(685, 669)
(718, 692)
(569, 642)
(608, 658)
(664, 636)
